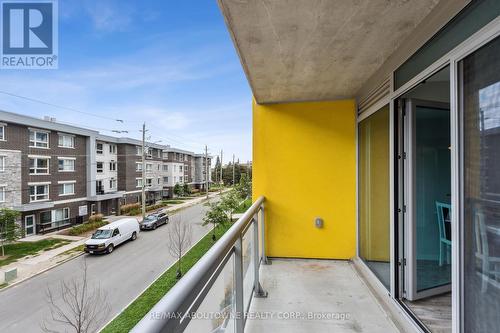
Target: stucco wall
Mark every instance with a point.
(304, 164)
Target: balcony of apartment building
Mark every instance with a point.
(361, 220)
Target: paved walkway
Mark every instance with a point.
(32, 265)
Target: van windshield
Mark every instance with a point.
(101, 234)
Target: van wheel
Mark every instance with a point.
(134, 236)
(110, 248)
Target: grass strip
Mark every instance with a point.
(15, 251)
(145, 302)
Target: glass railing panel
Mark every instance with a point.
(216, 312)
(248, 265)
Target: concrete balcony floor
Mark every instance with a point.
(321, 287)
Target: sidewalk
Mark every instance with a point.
(30, 266)
(174, 208)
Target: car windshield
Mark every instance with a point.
(150, 218)
(101, 234)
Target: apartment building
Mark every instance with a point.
(44, 171)
(202, 167)
(57, 175)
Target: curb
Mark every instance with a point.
(41, 272)
(82, 253)
(146, 288)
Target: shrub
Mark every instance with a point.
(96, 218)
(86, 227)
(125, 209)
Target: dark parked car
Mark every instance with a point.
(152, 221)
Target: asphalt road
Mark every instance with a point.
(124, 274)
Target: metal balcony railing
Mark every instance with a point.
(221, 284)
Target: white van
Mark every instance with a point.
(106, 238)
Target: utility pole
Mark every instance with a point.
(221, 177)
(206, 169)
(143, 171)
(233, 170)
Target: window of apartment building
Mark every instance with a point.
(112, 149)
(60, 216)
(99, 148)
(67, 188)
(180, 168)
(180, 179)
(158, 153)
(112, 183)
(112, 166)
(138, 150)
(150, 153)
(66, 141)
(149, 167)
(2, 132)
(100, 167)
(39, 165)
(138, 182)
(2, 193)
(149, 181)
(159, 167)
(138, 166)
(159, 181)
(66, 164)
(2, 163)
(39, 139)
(165, 179)
(39, 192)
(165, 167)
(186, 179)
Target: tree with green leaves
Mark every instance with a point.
(230, 202)
(178, 190)
(215, 215)
(244, 188)
(186, 189)
(9, 228)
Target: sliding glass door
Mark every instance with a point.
(427, 231)
(479, 102)
(373, 200)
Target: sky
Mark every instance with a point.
(168, 63)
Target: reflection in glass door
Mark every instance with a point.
(428, 195)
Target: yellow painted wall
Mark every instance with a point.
(304, 164)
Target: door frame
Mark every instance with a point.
(34, 225)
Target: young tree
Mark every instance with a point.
(178, 190)
(9, 229)
(76, 306)
(244, 188)
(186, 189)
(214, 215)
(179, 239)
(230, 202)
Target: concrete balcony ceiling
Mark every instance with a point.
(307, 50)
